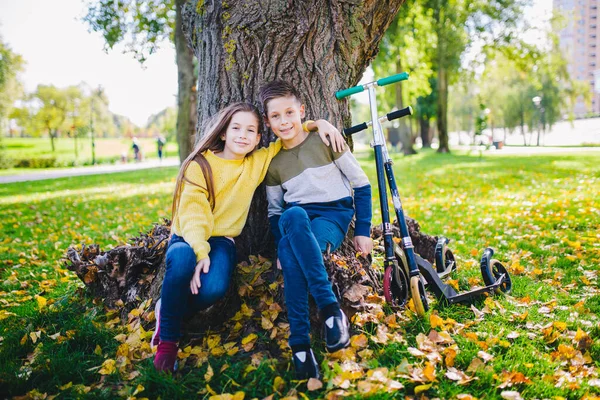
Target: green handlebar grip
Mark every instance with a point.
(348, 92)
(392, 79)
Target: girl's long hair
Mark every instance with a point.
(212, 140)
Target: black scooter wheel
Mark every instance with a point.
(444, 258)
(492, 270)
(418, 295)
(395, 287)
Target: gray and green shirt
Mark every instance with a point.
(324, 183)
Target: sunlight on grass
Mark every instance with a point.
(540, 213)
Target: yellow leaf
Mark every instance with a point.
(35, 336)
(23, 339)
(266, 324)
(41, 302)
(251, 337)
(108, 367)
(429, 372)
(5, 314)
(98, 350)
(65, 386)
(422, 388)
(210, 390)
(138, 389)
(359, 341)
(561, 326)
(278, 384)
(209, 373)
(239, 395)
(213, 341)
(436, 321)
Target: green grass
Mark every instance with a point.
(540, 213)
(107, 149)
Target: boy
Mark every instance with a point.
(313, 195)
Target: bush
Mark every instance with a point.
(40, 162)
(6, 162)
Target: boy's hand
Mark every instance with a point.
(202, 266)
(363, 245)
(324, 128)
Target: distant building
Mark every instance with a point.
(580, 41)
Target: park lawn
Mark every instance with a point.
(540, 213)
(107, 149)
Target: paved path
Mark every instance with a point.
(93, 170)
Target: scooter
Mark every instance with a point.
(406, 273)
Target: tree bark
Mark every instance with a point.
(318, 46)
(186, 87)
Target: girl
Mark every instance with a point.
(212, 197)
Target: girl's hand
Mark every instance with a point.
(363, 245)
(202, 266)
(324, 128)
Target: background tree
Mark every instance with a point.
(11, 64)
(319, 46)
(163, 123)
(143, 25)
(457, 24)
(406, 47)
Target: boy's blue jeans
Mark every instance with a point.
(300, 254)
(177, 300)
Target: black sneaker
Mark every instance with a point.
(306, 365)
(337, 332)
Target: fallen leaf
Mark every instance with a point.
(314, 384)
(209, 374)
(511, 395)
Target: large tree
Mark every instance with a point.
(319, 46)
(11, 64)
(406, 47)
(458, 24)
(143, 25)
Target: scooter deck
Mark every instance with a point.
(446, 294)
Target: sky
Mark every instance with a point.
(59, 50)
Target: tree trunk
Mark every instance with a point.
(424, 127)
(442, 109)
(52, 137)
(318, 46)
(186, 87)
(405, 137)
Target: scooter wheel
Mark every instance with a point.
(395, 290)
(444, 259)
(492, 270)
(497, 269)
(417, 291)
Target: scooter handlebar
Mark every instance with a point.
(399, 113)
(392, 79)
(354, 129)
(390, 117)
(348, 92)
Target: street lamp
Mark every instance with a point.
(74, 128)
(537, 100)
(97, 93)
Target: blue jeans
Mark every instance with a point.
(177, 299)
(300, 254)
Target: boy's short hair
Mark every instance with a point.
(276, 89)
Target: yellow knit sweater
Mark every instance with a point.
(234, 184)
